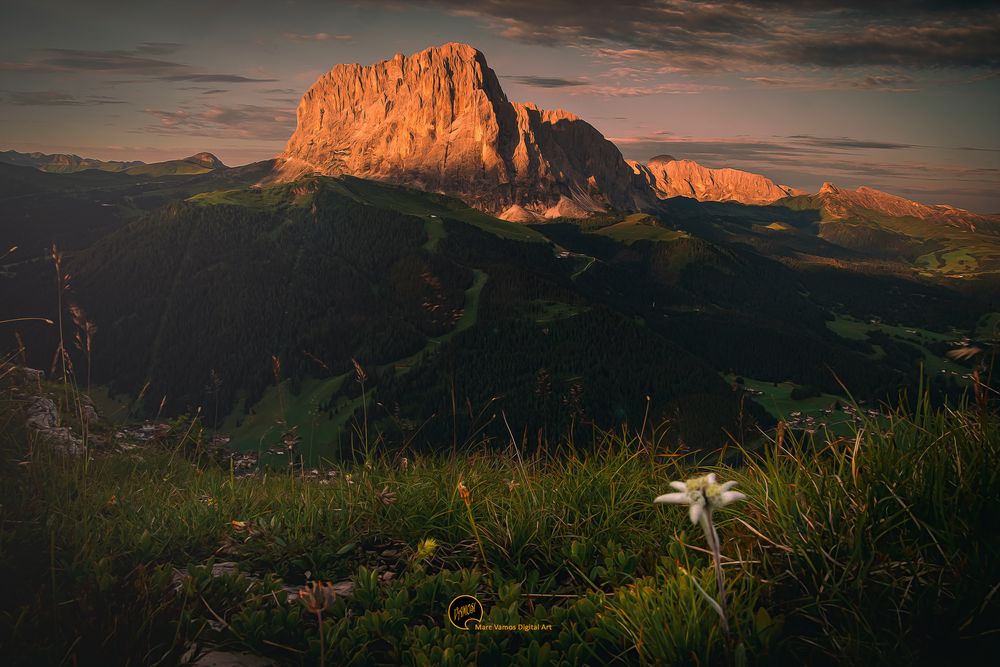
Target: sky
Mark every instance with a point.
(902, 96)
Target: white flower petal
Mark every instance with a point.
(680, 486)
(673, 498)
(728, 485)
(696, 511)
(731, 497)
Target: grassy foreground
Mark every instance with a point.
(882, 547)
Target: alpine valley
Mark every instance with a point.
(448, 267)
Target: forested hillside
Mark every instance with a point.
(252, 304)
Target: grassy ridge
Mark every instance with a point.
(881, 546)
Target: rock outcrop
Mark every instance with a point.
(42, 416)
(439, 121)
(207, 160)
(669, 177)
(517, 213)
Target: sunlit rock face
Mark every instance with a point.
(439, 121)
(845, 203)
(669, 177)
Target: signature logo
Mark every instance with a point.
(464, 610)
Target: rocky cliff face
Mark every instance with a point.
(685, 178)
(439, 121)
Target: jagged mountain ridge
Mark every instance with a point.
(669, 177)
(63, 162)
(439, 120)
(842, 203)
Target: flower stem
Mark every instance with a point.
(708, 526)
(475, 530)
(322, 639)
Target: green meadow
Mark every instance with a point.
(880, 547)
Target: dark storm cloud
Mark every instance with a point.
(51, 98)
(929, 44)
(544, 81)
(120, 61)
(688, 35)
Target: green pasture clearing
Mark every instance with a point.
(848, 327)
(638, 227)
(777, 399)
(949, 261)
(272, 197)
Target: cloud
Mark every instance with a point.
(886, 83)
(244, 121)
(636, 86)
(158, 48)
(754, 35)
(315, 37)
(847, 143)
(52, 98)
(641, 90)
(930, 44)
(215, 78)
(544, 81)
(135, 62)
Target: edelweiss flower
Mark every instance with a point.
(701, 493)
(704, 495)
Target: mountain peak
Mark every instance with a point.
(439, 120)
(207, 160)
(841, 203)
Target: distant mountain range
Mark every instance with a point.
(64, 163)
